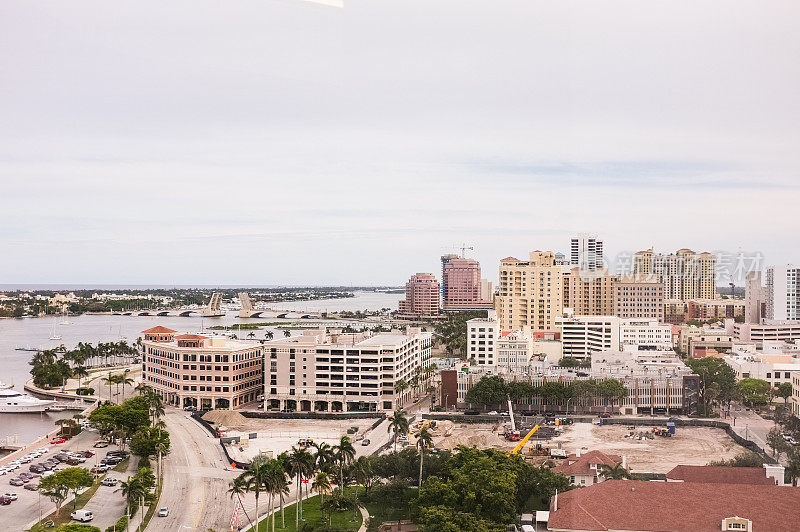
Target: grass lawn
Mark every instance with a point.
(380, 513)
(122, 466)
(312, 514)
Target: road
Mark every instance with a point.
(196, 479)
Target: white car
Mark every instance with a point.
(163, 512)
(82, 515)
(12, 496)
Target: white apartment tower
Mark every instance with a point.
(586, 252)
(482, 334)
(783, 292)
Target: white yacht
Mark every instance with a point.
(4, 386)
(12, 401)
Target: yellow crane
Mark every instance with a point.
(524, 440)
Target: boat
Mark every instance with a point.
(64, 319)
(28, 348)
(53, 335)
(14, 402)
(4, 386)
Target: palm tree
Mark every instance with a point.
(275, 484)
(363, 473)
(80, 372)
(238, 488)
(399, 387)
(67, 423)
(321, 485)
(269, 335)
(253, 479)
(133, 490)
(299, 464)
(323, 456)
(398, 423)
(615, 472)
(123, 380)
(287, 333)
(251, 335)
(344, 454)
(424, 440)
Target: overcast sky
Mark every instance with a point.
(282, 142)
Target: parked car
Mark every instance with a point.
(87, 454)
(4, 500)
(82, 515)
(492, 413)
(123, 454)
(33, 486)
(189, 408)
(16, 482)
(11, 495)
(109, 482)
(604, 415)
(99, 469)
(163, 512)
(36, 468)
(55, 441)
(100, 444)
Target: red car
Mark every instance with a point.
(58, 440)
(87, 454)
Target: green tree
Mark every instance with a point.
(424, 441)
(75, 479)
(487, 391)
(776, 442)
(784, 391)
(55, 489)
(713, 371)
(743, 459)
(398, 424)
(344, 453)
(321, 485)
(754, 391)
(299, 464)
(254, 478)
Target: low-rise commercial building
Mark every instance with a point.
(204, 371)
(786, 331)
(353, 372)
(713, 309)
(775, 363)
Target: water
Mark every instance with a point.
(35, 332)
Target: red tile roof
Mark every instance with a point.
(158, 329)
(674, 506)
(574, 465)
(721, 475)
(190, 337)
(509, 259)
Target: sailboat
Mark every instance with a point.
(54, 335)
(64, 320)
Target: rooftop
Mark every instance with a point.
(674, 506)
(384, 339)
(158, 330)
(721, 475)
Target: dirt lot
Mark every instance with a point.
(690, 446)
(279, 435)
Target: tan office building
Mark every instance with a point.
(589, 293)
(639, 296)
(204, 371)
(530, 292)
(685, 274)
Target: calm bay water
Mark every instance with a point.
(35, 332)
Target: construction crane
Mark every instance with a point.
(524, 441)
(464, 249)
(513, 434)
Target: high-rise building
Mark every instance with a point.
(589, 295)
(422, 297)
(685, 274)
(461, 279)
(783, 292)
(530, 292)
(639, 296)
(445, 259)
(586, 252)
(482, 335)
(755, 299)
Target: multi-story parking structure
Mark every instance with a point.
(353, 372)
(204, 371)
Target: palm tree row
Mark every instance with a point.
(273, 476)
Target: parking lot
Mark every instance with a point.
(107, 504)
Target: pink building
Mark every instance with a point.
(461, 279)
(422, 297)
